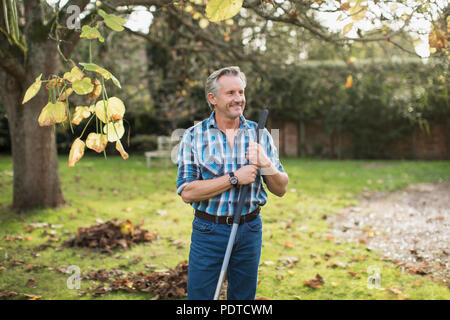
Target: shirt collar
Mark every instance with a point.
(242, 122)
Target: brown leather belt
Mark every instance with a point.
(227, 219)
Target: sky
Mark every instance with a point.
(141, 18)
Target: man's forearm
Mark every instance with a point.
(205, 189)
(276, 181)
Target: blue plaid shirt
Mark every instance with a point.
(205, 154)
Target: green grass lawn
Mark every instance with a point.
(293, 227)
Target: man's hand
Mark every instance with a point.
(246, 174)
(257, 156)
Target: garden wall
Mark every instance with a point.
(297, 138)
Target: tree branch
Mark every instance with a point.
(310, 25)
(116, 3)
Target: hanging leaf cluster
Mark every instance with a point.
(109, 111)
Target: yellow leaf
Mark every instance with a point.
(100, 107)
(74, 75)
(96, 141)
(112, 21)
(348, 27)
(357, 12)
(119, 147)
(197, 15)
(76, 152)
(80, 114)
(219, 10)
(53, 113)
(97, 90)
(104, 73)
(95, 68)
(349, 81)
(114, 130)
(114, 108)
(126, 227)
(437, 39)
(229, 22)
(33, 89)
(83, 86)
(91, 33)
(65, 94)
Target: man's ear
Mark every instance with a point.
(212, 98)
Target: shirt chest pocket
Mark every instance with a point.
(211, 163)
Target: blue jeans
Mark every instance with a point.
(208, 245)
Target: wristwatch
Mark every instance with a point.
(233, 179)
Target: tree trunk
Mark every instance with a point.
(35, 162)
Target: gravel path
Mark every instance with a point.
(409, 226)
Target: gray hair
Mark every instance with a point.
(212, 86)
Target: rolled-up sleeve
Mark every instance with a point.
(187, 161)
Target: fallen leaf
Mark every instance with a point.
(7, 294)
(32, 297)
(315, 283)
(288, 244)
(30, 267)
(394, 291)
(334, 284)
(31, 283)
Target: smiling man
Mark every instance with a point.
(215, 158)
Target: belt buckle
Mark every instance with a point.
(229, 222)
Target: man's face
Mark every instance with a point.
(230, 100)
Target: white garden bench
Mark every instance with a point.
(164, 150)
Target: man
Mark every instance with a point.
(212, 165)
